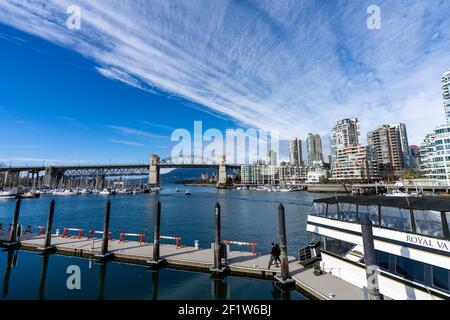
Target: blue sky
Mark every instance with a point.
(114, 90)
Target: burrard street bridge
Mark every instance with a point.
(53, 176)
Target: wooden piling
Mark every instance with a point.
(157, 232)
(48, 231)
(285, 278)
(106, 228)
(370, 258)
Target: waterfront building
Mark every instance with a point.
(445, 80)
(388, 147)
(344, 133)
(260, 175)
(314, 149)
(353, 164)
(315, 175)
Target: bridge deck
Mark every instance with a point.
(239, 262)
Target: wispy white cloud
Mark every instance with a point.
(135, 132)
(128, 143)
(294, 65)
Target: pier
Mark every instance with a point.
(218, 260)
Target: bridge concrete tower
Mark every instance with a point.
(153, 179)
(222, 177)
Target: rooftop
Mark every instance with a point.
(417, 203)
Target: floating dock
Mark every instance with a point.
(239, 263)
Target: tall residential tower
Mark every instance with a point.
(445, 80)
(314, 149)
(295, 152)
(344, 133)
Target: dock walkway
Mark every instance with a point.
(322, 287)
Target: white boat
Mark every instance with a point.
(8, 194)
(188, 192)
(409, 246)
(105, 192)
(94, 191)
(138, 191)
(85, 191)
(124, 191)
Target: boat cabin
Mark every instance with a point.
(411, 238)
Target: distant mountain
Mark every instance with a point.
(182, 174)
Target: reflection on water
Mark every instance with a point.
(30, 276)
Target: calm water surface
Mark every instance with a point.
(246, 216)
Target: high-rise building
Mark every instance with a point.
(445, 80)
(343, 134)
(353, 164)
(272, 158)
(404, 144)
(314, 149)
(388, 146)
(414, 157)
(435, 155)
(295, 152)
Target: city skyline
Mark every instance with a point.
(98, 96)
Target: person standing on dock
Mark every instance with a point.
(277, 254)
(273, 256)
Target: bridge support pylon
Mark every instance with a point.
(153, 179)
(222, 176)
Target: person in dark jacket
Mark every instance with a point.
(273, 256)
(278, 254)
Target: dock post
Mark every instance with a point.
(285, 278)
(156, 260)
(217, 268)
(13, 236)
(48, 231)
(104, 251)
(370, 258)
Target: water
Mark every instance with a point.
(246, 216)
(34, 277)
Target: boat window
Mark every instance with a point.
(372, 211)
(320, 209)
(448, 219)
(429, 223)
(338, 247)
(383, 260)
(441, 278)
(396, 218)
(348, 211)
(332, 211)
(409, 269)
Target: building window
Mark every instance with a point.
(396, 218)
(409, 269)
(338, 247)
(348, 212)
(372, 211)
(383, 260)
(441, 278)
(332, 212)
(429, 223)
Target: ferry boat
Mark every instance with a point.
(411, 240)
